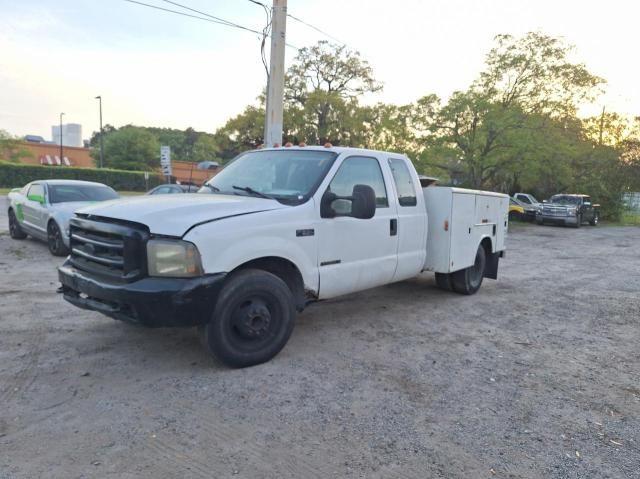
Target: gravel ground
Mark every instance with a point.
(535, 376)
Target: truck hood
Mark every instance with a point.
(173, 215)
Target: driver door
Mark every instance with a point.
(34, 210)
(356, 254)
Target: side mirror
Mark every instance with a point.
(363, 203)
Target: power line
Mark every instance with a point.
(206, 18)
(316, 29)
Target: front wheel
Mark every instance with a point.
(468, 280)
(596, 219)
(54, 240)
(253, 319)
(578, 221)
(15, 230)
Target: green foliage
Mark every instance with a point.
(11, 148)
(187, 145)
(15, 175)
(130, 148)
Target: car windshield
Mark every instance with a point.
(69, 193)
(565, 200)
(289, 176)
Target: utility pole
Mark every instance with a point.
(99, 98)
(61, 150)
(275, 86)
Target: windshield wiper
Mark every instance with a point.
(211, 187)
(251, 191)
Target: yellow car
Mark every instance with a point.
(516, 212)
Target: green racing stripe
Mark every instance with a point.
(19, 213)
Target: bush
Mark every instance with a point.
(16, 175)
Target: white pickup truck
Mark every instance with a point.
(275, 230)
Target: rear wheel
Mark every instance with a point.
(54, 240)
(596, 219)
(443, 281)
(15, 230)
(253, 319)
(468, 280)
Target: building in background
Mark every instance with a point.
(71, 135)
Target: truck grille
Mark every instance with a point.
(108, 248)
(554, 211)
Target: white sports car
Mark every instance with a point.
(43, 209)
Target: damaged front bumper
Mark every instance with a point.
(151, 302)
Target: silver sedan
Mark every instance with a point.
(42, 209)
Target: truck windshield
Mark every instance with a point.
(565, 200)
(290, 176)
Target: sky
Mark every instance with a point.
(154, 68)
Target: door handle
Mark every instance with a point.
(393, 227)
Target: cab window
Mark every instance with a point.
(358, 170)
(404, 185)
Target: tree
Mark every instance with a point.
(130, 148)
(526, 78)
(242, 132)
(11, 148)
(205, 149)
(322, 87)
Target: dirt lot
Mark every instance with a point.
(538, 375)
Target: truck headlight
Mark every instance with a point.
(173, 258)
(572, 211)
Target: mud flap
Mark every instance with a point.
(491, 268)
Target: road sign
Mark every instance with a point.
(165, 160)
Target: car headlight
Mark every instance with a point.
(173, 258)
(572, 211)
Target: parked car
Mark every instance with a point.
(528, 200)
(516, 211)
(279, 229)
(169, 189)
(569, 209)
(42, 209)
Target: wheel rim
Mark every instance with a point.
(596, 218)
(54, 238)
(253, 322)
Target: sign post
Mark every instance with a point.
(165, 162)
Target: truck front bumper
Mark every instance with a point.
(151, 302)
(562, 220)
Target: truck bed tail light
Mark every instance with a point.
(446, 225)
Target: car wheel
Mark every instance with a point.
(54, 240)
(468, 280)
(443, 281)
(253, 319)
(596, 219)
(578, 221)
(15, 230)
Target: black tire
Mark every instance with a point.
(596, 219)
(540, 221)
(15, 230)
(443, 281)
(469, 280)
(578, 221)
(253, 319)
(54, 240)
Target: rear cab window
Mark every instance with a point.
(404, 183)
